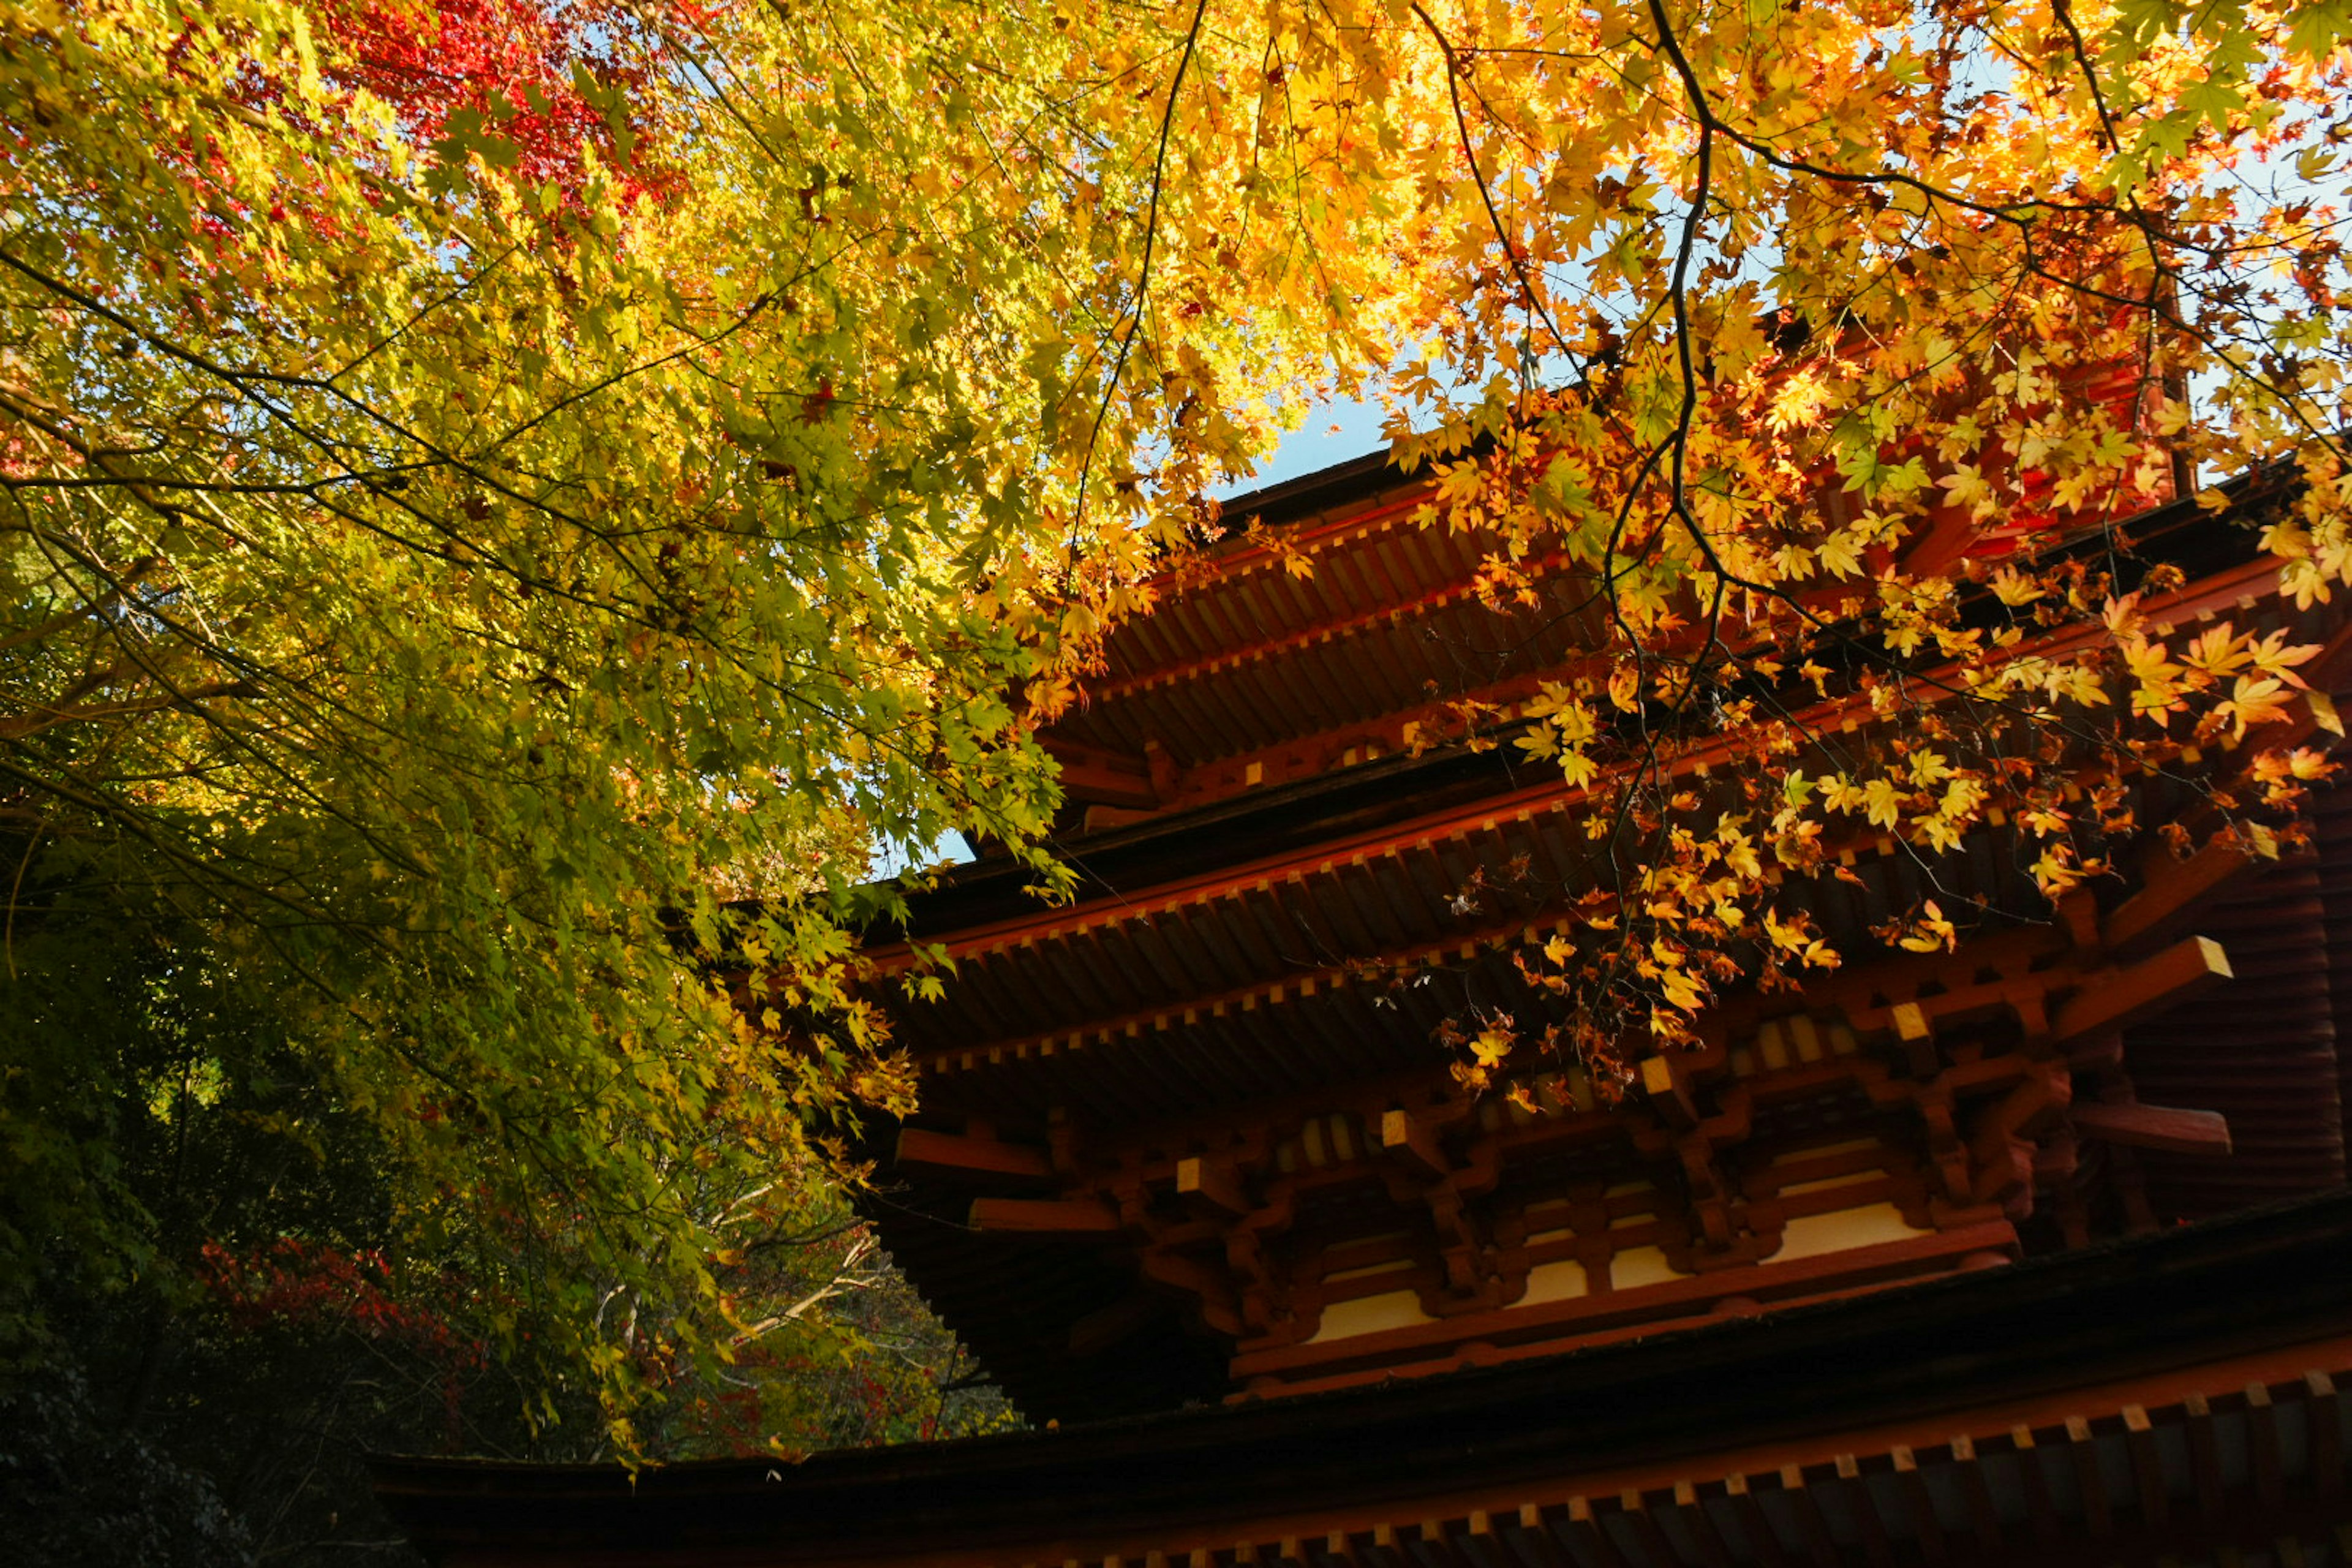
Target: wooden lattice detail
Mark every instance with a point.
(1902, 1121)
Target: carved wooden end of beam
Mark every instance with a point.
(1213, 1184)
(2153, 1127)
(1411, 1141)
(1669, 1094)
(1917, 1036)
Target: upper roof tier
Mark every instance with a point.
(1337, 624)
(1307, 641)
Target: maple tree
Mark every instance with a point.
(506, 501)
(439, 593)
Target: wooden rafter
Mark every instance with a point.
(1331, 629)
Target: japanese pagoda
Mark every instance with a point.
(2036, 1250)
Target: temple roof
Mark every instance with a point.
(2158, 1397)
(1190, 1175)
(1279, 954)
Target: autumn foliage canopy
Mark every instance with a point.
(505, 502)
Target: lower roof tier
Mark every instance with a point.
(2174, 1398)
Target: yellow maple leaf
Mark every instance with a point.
(1681, 990)
(1882, 802)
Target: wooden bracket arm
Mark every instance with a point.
(2173, 891)
(1061, 1219)
(2120, 998)
(1101, 777)
(1210, 1290)
(1917, 1036)
(979, 1156)
(2153, 1127)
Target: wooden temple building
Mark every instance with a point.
(2036, 1251)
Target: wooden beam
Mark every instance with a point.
(2041, 1510)
(1656, 1551)
(2122, 997)
(1713, 1551)
(1864, 1509)
(2147, 1467)
(978, 1157)
(1589, 1538)
(1811, 1527)
(1999, 1144)
(1482, 1545)
(1436, 1545)
(1210, 1286)
(2153, 1127)
(1213, 1184)
(2173, 891)
(1064, 1219)
(1407, 1138)
(1917, 1037)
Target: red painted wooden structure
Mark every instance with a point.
(1185, 1142)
